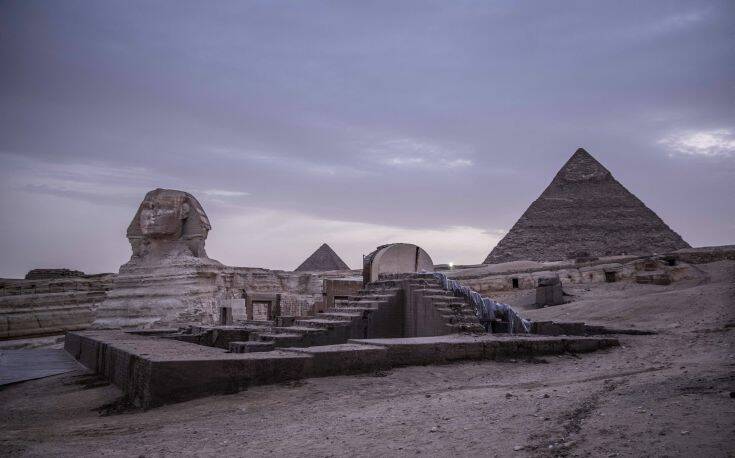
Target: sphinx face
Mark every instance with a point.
(162, 217)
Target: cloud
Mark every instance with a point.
(410, 152)
(225, 193)
(405, 161)
(678, 21)
(96, 182)
(704, 143)
(292, 163)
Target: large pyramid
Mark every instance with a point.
(323, 259)
(585, 210)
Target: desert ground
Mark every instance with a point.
(668, 394)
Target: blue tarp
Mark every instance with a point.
(486, 309)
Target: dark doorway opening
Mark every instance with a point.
(610, 277)
(514, 282)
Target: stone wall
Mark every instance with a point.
(298, 304)
(31, 308)
(526, 275)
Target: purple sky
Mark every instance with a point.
(355, 123)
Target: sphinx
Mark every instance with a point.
(169, 278)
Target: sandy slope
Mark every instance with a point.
(662, 395)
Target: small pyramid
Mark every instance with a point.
(323, 259)
(585, 211)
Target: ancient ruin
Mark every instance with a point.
(585, 212)
(169, 277)
(174, 325)
(355, 229)
(323, 259)
(395, 258)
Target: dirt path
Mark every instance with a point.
(662, 395)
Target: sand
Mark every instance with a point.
(669, 394)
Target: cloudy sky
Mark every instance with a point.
(355, 123)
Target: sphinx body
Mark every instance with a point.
(169, 279)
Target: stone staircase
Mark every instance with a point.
(377, 311)
(456, 312)
(348, 319)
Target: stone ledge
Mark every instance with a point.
(153, 371)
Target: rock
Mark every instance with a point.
(518, 447)
(44, 274)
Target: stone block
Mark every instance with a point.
(653, 278)
(251, 346)
(344, 359)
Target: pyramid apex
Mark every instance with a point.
(582, 166)
(323, 259)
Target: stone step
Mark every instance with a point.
(459, 311)
(379, 290)
(322, 323)
(424, 281)
(282, 340)
(461, 319)
(353, 308)
(476, 328)
(443, 298)
(387, 282)
(251, 346)
(370, 297)
(366, 302)
(433, 291)
(329, 315)
(296, 329)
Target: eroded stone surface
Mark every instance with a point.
(585, 209)
(169, 278)
(169, 226)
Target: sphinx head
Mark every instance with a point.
(162, 215)
(165, 217)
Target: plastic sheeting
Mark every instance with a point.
(486, 309)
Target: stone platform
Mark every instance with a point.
(153, 371)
